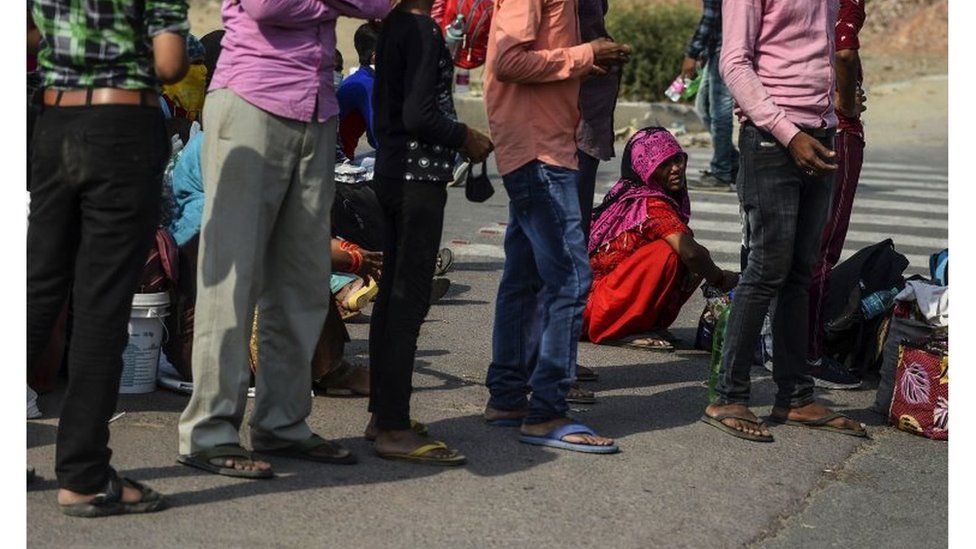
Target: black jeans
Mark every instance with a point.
(95, 192)
(588, 167)
(785, 211)
(414, 213)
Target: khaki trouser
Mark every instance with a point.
(264, 241)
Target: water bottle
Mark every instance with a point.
(877, 303)
(718, 339)
(677, 88)
(454, 35)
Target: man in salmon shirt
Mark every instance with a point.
(268, 173)
(533, 70)
(777, 59)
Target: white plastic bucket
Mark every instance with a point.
(141, 355)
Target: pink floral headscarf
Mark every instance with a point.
(625, 206)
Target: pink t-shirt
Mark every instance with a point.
(778, 62)
(278, 54)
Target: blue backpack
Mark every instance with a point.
(939, 267)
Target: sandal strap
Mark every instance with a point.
(224, 451)
(723, 417)
(111, 492)
(427, 448)
(827, 419)
(311, 443)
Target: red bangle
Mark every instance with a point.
(348, 246)
(357, 261)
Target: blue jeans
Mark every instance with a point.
(714, 105)
(785, 211)
(542, 294)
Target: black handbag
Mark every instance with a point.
(478, 187)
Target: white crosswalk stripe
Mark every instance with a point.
(905, 202)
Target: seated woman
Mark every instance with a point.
(646, 262)
(332, 374)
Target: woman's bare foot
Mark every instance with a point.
(758, 428)
(542, 429)
(813, 412)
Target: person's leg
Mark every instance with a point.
(52, 232)
(118, 174)
(588, 167)
(391, 203)
(418, 224)
(850, 156)
(552, 225)
(795, 386)
(294, 299)
(769, 191)
(331, 344)
(702, 99)
(794, 398)
(725, 158)
(515, 304)
(248, 158)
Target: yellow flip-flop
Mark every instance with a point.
(360, 298)
(418, 455)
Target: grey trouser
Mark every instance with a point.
(265, 241)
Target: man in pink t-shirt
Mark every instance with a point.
(778, 63)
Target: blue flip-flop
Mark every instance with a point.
(554, 439)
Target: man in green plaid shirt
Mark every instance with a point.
(97, 157)
(107, 47)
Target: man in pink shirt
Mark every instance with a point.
(532, 78)
(777, 59)
(268, 167)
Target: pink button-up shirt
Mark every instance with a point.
(278, 54)
(532, 81)
(778, 62)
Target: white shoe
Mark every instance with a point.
(33, 412)
(460, 174)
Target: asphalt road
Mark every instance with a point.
(676, 483)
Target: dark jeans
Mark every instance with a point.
(786, 211)
(714, 104)
(95, 193)
(537, 331)
(414, 219)
(588, 167)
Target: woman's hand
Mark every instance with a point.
(728, 282)
(372, 265)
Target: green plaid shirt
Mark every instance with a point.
(103, 43)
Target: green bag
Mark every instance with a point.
(691, 90)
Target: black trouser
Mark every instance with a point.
(588, 167)
(414, 213)
(785, 214)
(94, 207)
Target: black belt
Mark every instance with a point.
(819, 133)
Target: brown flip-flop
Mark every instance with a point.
(718, 424)
(822, 424)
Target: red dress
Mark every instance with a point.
(638, 279)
